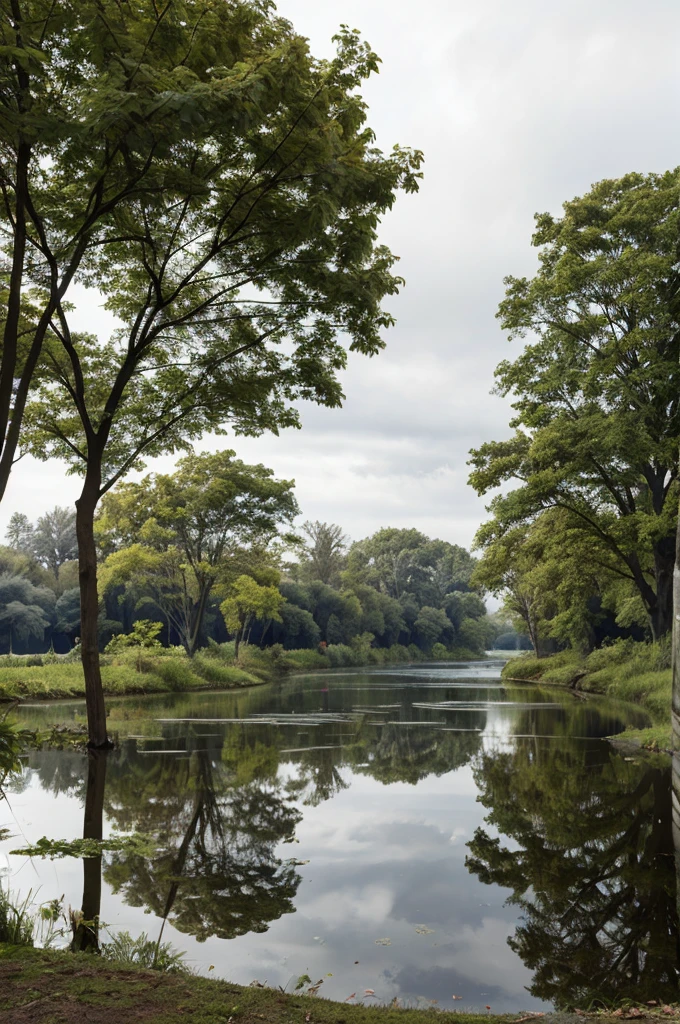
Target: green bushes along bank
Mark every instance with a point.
(639, 673)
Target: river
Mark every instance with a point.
(426, 834)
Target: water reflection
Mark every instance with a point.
(85, 923)
(377, 776)
(215, 871)
(591, 866)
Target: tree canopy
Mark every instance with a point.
(595, 388)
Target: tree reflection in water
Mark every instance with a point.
(215, 871)
(591, 865)
(85, 923)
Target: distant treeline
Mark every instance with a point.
(204, 552)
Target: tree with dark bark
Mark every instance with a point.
(238, 269)
(597, 387)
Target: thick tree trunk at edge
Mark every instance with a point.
(675, 712)
(89, 613)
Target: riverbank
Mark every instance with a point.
(39, 986)
(637, 673)
(137, 671)
(46, 987)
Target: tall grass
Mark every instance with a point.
(143, 952)
(23, 922)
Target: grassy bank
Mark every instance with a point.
(137, 671)
(46, 987)
(120, 675)
(634, 672)
(40, 986)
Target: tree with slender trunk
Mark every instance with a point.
(239, 274)
(181, 538)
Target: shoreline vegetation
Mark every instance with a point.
(39, 984)
(136, 671)
(626, 670)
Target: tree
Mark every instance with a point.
(19, 534)
(596, 393)
(67, 611)
(258, 229)
(25, 610)
(248, 602)
(54, 539)
(191, 532)
(555, 581)
(432, 625)
(296, 629)
(324, 552)
(397, 562)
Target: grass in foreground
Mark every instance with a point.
(40, 987)
(635, 672)
(43, 987)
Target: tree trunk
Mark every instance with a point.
(661, 615)
(86, 924)
(199, 616)
(89, 610)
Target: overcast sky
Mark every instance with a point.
(517, 106)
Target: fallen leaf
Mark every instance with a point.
(422, 929)
(383, 942)
(353, 996)
(212, 967)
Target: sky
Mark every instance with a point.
(517, 107)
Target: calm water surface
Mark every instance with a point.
(425, 833)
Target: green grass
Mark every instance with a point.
(139, 671)
(68, 987)
(59, 987)
(634, 672)
(121, 676)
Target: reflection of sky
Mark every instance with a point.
(384, 861)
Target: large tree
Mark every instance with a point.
(239, 267)
(176, 537)
(597, 387)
